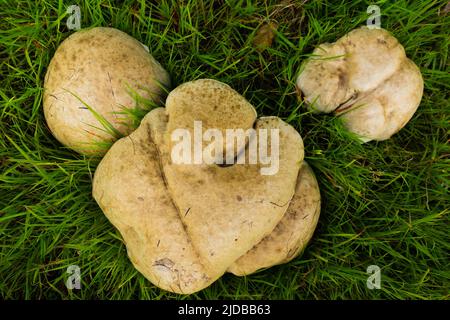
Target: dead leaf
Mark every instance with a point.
(264, 36)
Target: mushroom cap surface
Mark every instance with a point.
(366, 77)
(292, 233)
(96, 78)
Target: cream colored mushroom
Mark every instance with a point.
(93, 82)
(366, 78)
(185, 225)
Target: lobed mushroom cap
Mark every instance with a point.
(292, 233)
(185, 224)
(365, 76)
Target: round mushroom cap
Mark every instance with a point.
(212, 104)
(366, 78)
(97, 83)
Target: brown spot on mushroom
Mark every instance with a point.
(342, 78)
(381, 41)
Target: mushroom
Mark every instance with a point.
(366, 79)
(186, 224)
(97, 82)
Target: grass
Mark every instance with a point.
(384, 203)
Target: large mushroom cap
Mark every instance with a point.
(185, 224)
(92, 85)
(366, 77)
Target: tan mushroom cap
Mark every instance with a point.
(105, 69)
(365, 76)
(292, 233)
(212, 102)
(185, 224)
